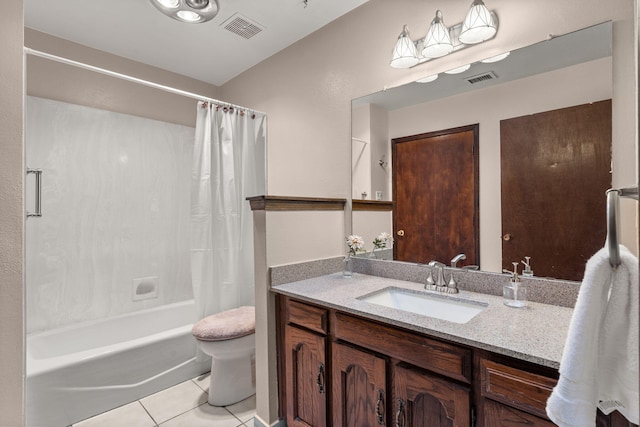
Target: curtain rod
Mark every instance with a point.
(169, 89)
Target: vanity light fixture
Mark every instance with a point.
(437, 42)
(404, 54)
(458, 70)
(479, 25)
(427, 79)
(496, 58)
(191, 11)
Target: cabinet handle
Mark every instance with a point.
(400, 416)
(320, 379)
(380, 407)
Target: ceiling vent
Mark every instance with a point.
(490, 75)
(242, 26)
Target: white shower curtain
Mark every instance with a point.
(228, 167)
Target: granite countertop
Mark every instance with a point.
(536, 334)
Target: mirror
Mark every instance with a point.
(562, 72)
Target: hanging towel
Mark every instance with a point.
(599, 366)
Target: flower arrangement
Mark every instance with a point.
(355, 244)
(380, 242)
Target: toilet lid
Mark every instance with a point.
(227, 325)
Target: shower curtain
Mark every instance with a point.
(228, 167)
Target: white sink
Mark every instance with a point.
(441, 307)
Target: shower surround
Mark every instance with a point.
(115, 203)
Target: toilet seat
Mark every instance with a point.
(227, 325)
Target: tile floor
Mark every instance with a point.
(183, 405)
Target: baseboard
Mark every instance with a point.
(257, 422)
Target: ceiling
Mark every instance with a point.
(134, 29)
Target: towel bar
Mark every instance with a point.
(613, 219)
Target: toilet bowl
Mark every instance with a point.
(229, 338)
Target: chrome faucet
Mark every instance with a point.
(440, 284)
(459, 257)
(440, 273)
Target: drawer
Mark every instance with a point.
(514, 387)
(308, 316)
(433, 355)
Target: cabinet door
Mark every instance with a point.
(359, 388)
(498, 415)
(305, 378)
(422, 400)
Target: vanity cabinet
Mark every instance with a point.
(341, 370)
(424, 400)
(359, 388)
(513, 396)
(305, 367)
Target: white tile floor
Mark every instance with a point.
(183, 405)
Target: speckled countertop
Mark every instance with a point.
(536, 334)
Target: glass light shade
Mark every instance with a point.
(188, 16)
(427, 79)
(459, 69)
(496, 58)
(479, 24)
(171, 4)
(437, 42)
(404, 53)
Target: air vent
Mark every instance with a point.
(482, 77)
(242, 26)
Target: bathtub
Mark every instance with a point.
(85, 369)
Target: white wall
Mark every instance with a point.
(307, 91)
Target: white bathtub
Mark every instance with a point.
(79, 371)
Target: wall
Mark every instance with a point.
(307, 91)
(54, 80)
(369, 146)
(11, 216)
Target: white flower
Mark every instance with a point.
(380, 242)
(355, 243)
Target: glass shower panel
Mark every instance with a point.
(115, 213)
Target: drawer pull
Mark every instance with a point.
(320, 379)
(400, 416)
(380, 407)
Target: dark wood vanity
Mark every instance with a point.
(338, 369)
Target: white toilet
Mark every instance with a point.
(229, 338)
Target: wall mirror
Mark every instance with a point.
(556, 74)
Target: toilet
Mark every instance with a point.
(229, 338)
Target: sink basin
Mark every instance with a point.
(441, 307)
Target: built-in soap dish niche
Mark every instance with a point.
(145, 288)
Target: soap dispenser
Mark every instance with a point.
(515, 293)
(527, 271)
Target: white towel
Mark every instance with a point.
(600, 359)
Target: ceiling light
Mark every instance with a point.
(191, 11)
(437, 42)
(404, 53)
(496, 58)
(187, 15)
(171, 4)
(427, 79)
(459, 69)
(479, 24)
